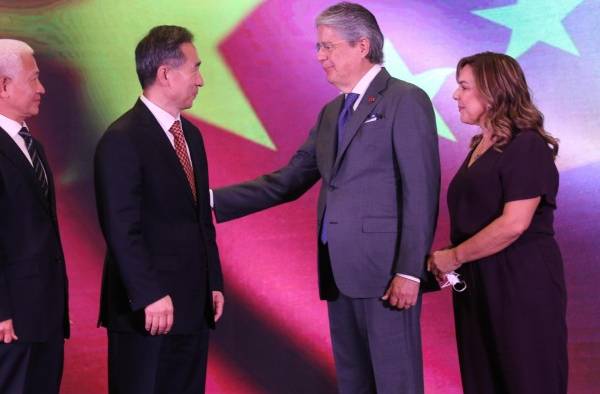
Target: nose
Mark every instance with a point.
(455, 94)
(321, 54)
(199, 80)
(40, 88)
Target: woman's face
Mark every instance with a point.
(471, 103)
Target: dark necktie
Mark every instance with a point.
(38, 167)
(341, 123)
(182, 155)
(344, 116)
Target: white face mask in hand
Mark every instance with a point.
(453, 279)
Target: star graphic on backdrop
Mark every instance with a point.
(100, 37)
(430, 81)
(533, 21)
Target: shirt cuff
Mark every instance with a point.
(409, 278)
(211, 199)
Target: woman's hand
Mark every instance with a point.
(443, 261)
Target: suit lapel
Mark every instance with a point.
(51, 200)
(327, 141)
(199, 163)
(11, 150)
(368, 102)
(195, 156)
(164, 146)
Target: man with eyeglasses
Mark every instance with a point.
(375, 148)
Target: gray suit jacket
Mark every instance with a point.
(381, 192)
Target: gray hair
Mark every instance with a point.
(10, 56)
(353, 22)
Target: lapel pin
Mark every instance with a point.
(371, 99)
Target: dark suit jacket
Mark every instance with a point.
(158, 240)
(381, 192)
(33, 280)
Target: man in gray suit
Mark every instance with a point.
(375, 149)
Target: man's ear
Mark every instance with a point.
(162, 75)
(364, 45)
(4, 81)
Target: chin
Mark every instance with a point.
(466, 120)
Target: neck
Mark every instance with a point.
(159, 98)
(486, 134)
(360, 73)
(11, 115)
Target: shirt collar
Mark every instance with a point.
(362, 85)
(164, 119)
(10, 126)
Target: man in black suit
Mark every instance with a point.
(33, 282)
(375, 149)
(162, 282)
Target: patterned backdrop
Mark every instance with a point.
(263, 91)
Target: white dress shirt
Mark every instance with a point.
(12, 128)
(165, 120)
(361, 87)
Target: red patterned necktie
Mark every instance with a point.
(182, 154)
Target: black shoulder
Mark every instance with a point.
(119, 131)
(528, 140)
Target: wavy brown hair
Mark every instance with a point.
(510, 110)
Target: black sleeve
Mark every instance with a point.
(118, 181)
(527, 169)
(214, 263)
(5, 302)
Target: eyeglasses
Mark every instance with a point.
(328, 47)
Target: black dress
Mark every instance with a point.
(510, 322)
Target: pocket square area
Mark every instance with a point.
(373, 118)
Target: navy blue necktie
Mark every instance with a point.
(38, 167)
(344, 116)
(341, 123)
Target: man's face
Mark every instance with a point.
(343, 64)
(23, 92)
(185, 80)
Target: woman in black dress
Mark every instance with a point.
(510, 321)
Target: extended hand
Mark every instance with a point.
(7, 333)
(159, 316)
(402, 293)
(218, 302)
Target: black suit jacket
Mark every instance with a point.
(33, 280)
(159, 242)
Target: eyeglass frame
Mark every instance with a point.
(328, 47)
